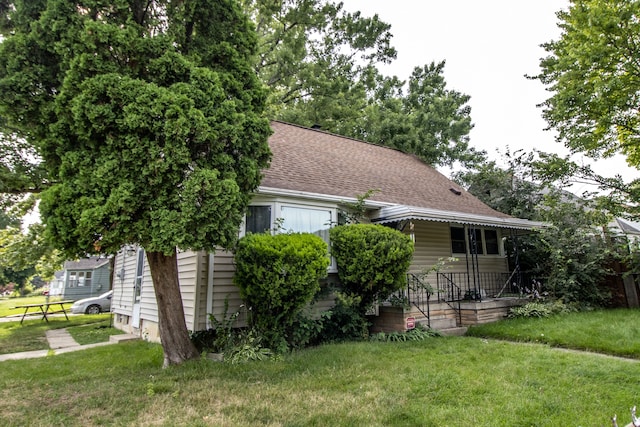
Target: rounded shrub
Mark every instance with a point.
(277, 276)
(372, 260)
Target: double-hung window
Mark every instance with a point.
(258, 219)
(479, 241)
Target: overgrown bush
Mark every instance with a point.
(530, 309)
(372, 261)
(542, 309)
(344, 322)
(277, 276)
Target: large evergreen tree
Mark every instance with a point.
(147, 116)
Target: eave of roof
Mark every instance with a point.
(400, 212)
(270, 191)
(628, 227)
(86, 263)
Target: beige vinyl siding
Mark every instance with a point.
(223, 288)
(433, 242)
(188, 274)
(200, 307)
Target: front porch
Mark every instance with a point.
(458, 301)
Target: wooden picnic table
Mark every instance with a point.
(43, 309)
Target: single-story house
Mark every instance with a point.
(313, 178)
(86, 277)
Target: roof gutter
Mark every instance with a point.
(369, 204)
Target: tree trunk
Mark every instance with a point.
(174, 335)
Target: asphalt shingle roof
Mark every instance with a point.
(315, 161)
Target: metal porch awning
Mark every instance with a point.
(401, 213)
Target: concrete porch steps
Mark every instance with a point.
(122, 338)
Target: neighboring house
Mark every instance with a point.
(313, 178)
(86, 277)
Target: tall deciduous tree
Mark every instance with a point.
(321, 63)
(430, 120)
(147, 115)
(593, 74)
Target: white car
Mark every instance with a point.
(93, 305)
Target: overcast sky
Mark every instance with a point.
(488, 47)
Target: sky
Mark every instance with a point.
(489, 46)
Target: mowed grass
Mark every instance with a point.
(614, 332)
(452, 381)
(31, 335)
(97, 331)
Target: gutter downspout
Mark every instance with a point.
(210, 271)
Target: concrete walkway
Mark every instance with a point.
(61, 341)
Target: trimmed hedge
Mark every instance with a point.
(278, 275)
(372, 260)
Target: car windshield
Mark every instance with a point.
(106, 294)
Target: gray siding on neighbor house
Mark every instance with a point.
(99, 283)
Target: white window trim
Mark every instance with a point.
(276, 209)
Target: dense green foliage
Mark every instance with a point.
(593, 76)
(25, 254)
(593, 73)
(570, 256)
(372, 261)
(134, 130)
(147, 115)
(321, 63)
(278, 275)
(576, 255)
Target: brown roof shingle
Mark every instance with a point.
(314, 161)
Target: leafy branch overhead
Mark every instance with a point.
(593, 75)
(321, 64)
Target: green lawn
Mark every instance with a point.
(97, 331)
(440, 382)
(30, 335)
(615, 332)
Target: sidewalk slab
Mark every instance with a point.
(24, 355)
(60, 338)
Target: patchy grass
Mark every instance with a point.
(30, 335)
(614, 332)
(438, 382)
(94, 332)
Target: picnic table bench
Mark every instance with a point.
(43, 309)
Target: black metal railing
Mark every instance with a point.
(479, 286)
(451, 293)
(416, 294)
